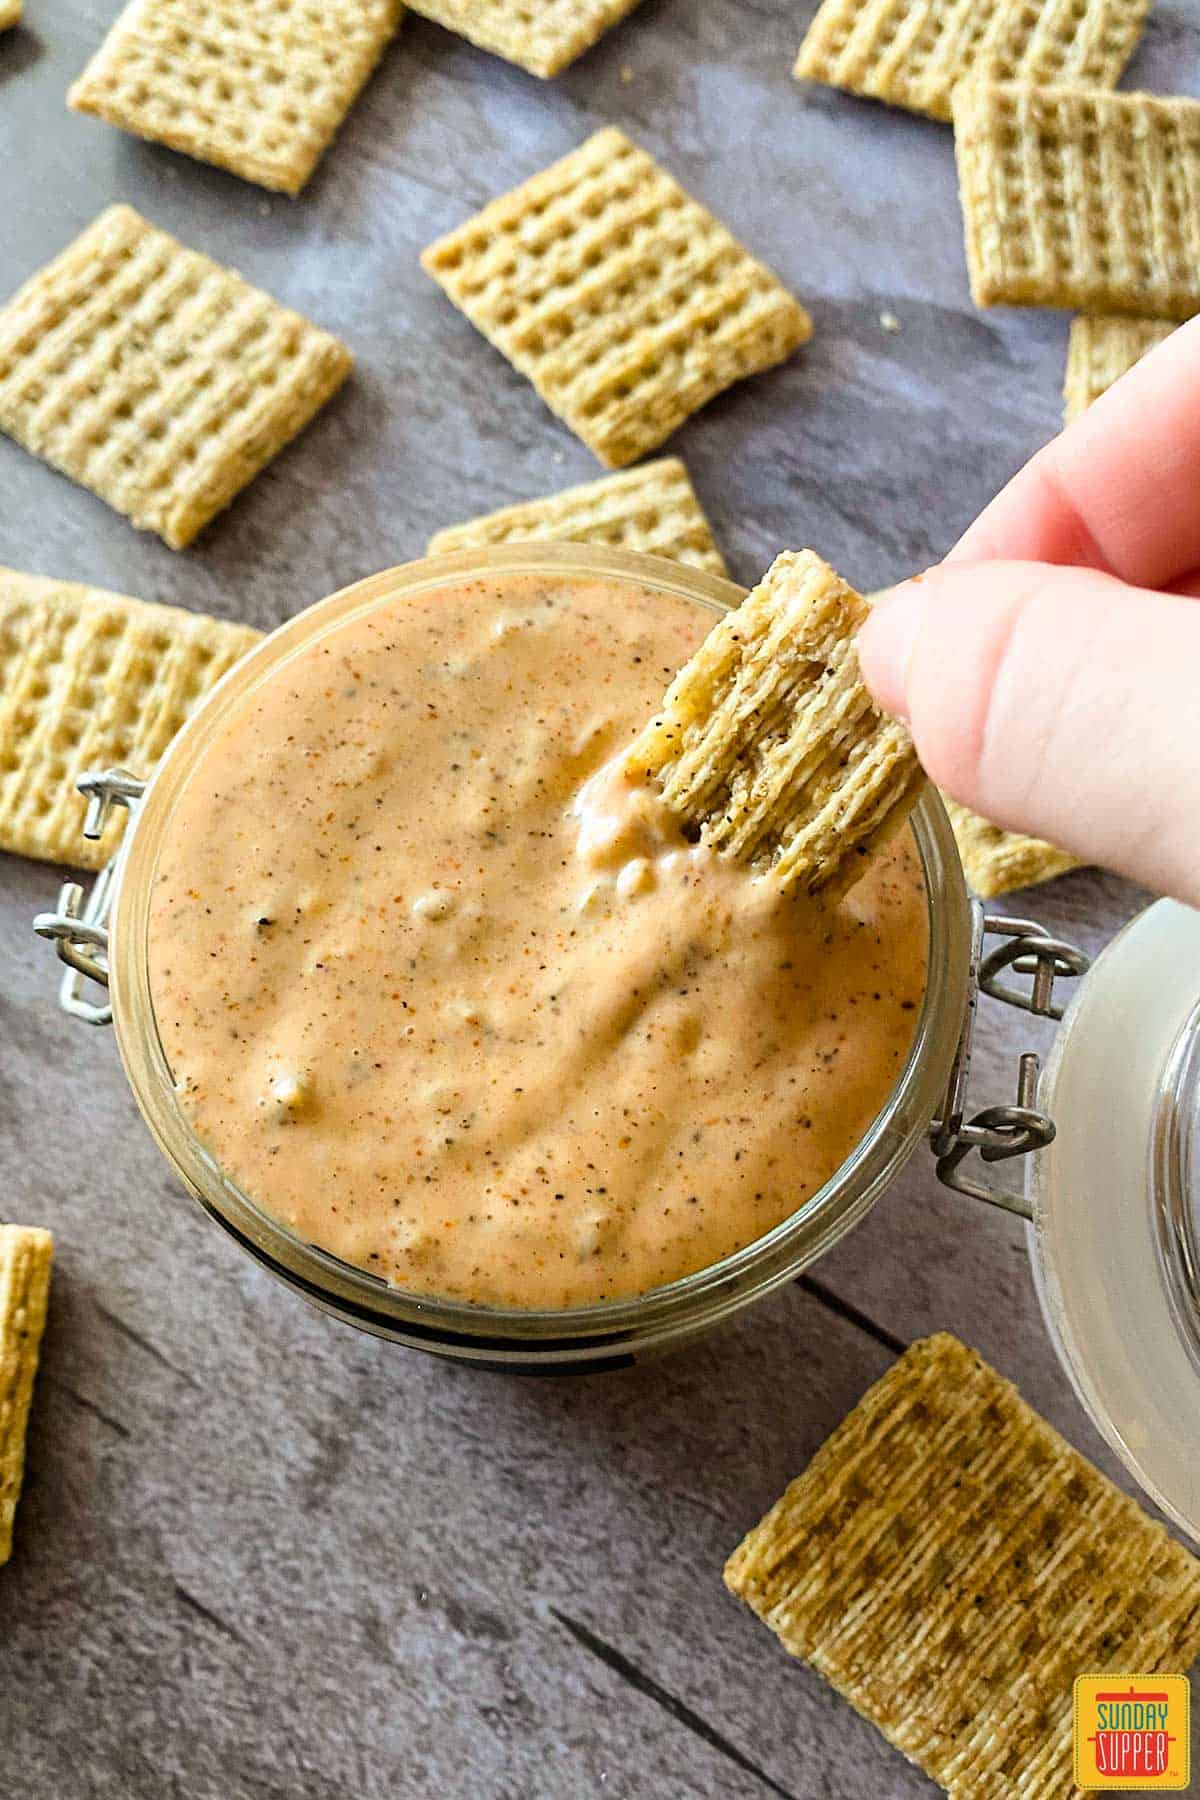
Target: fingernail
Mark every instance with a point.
(885, 646)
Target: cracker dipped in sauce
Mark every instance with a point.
(452, 998)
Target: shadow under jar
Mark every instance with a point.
(927, 1100)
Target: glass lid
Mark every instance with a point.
(1175, 1177)
(1117, 1203)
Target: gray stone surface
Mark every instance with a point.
(259, 1555)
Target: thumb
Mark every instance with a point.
(1054, 701)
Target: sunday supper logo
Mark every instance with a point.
(1131, 1731)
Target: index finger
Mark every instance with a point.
(1117, 489)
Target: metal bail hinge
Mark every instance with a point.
(1000, 1132)
(79, 926)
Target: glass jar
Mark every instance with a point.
(930, 1088)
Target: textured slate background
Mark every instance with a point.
(259, 1555)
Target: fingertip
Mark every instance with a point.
(886, 643)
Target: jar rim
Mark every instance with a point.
(693, 1301)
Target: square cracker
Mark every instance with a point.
(155, 377)
(91, 680)
(913, 52)
(949, 1563)
(1102, 348)
(543, 36)
(625, 303)
(996, 861)
(652, 509)
(25, 1257)
(256, 86)
(768, 742)
(1074, 198)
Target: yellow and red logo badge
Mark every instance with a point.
(1131, 1731)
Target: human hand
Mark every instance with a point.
(1050, 668)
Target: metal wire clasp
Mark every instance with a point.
(1000, 1132)
(79, 927)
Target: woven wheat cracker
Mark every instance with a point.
(996, 861)
(1102, 348)
(543, 36)
(1080, 199)
(155, 377)
(91, 680)
(624, 302)
(769, 743)
(950, 1564)
(25, 1257)
(913, 52)
(256, 86)
(652, 509)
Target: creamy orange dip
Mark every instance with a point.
(455, 1003)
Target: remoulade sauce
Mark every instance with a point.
(454, 1002)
